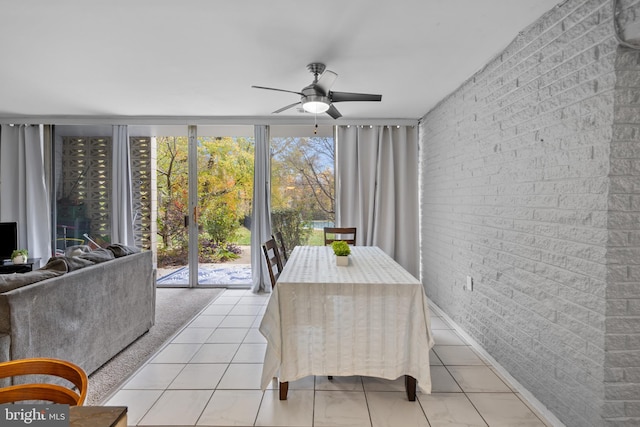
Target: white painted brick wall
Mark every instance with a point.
(622, 338)
(530, 183)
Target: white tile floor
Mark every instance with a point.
(209, 375)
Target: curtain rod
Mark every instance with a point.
(197, 120)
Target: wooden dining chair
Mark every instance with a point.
(36, 388)
(274, 264)
(348, 234)
(281, 247)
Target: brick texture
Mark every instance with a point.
(530, 183)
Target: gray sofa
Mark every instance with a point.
(81, 311)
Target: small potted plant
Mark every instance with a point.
(19, 256)
(342, 251)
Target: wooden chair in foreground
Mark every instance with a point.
(348, 234)
(281, 247)
(274, 264)
(43, 391)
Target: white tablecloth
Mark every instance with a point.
(370, 318)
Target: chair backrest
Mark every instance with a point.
(281, 247)
(274, 265)
(41, 391)
(348, 234)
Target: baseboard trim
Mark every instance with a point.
(531, 399)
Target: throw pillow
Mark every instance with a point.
(76, 250)
(98, 255)
(56, 264)
(120, 250)
(72, 263)
(76, 263)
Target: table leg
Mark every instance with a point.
(410, 384)
(284, 388)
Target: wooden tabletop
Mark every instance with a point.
(98, 416)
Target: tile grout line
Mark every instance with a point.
(165, 345)
(485, 363)
(534, 403)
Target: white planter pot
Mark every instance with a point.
(20, 259)
(342, 260)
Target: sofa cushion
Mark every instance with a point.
(120, 250)
(10, 282)
(97, 256)
(56, 264)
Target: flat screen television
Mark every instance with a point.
(8, 239)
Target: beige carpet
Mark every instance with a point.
(174, 308)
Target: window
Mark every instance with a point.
(302, 188)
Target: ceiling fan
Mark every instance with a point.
(317, 98)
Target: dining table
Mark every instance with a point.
(368, 318)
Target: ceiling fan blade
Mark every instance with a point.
(326, 80)
(349, 96)
(279, 90)
(286, 108)
(333, 112)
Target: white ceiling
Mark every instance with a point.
(199, 58)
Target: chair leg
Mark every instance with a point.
(284, 388)
(410, 385)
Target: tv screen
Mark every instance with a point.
(8, 239)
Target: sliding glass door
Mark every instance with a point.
(205, 184)
(172, 195)
(223, 174)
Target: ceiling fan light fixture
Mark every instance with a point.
(315, 104)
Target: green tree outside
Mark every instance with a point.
(302, 191)
(302, 187)
(225, 188)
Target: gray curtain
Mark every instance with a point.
(122, 214)
(377, 188)
(23, 191)
(261, 215)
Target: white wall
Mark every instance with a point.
(530, 184)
